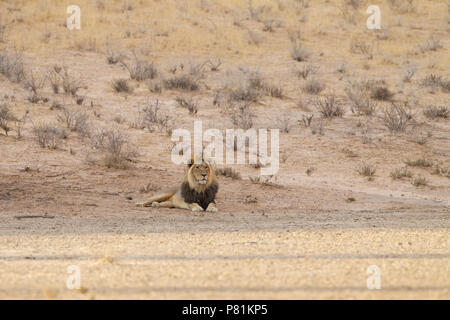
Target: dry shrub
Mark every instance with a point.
(183, 82)
(360, 101)
(155, 85)
(152, 118)
(228, 172)
(421, 162)
(112, 55)
(249, 90)
(6, 118)
(313, 86)
(381, 93)
(75, 120)
(285, 123)
(435, 82)
(434, 112)
(397, 117)
(409, 73)
(306, 71)
(366, 170)
(140, 69)
(361, 46)
(431, 44)
(298, 53)
(306, 120)
(12, 66)
(114, 146)
(419, 181)
(265, 181)
(400, 173)
(70, 82)
(329, 106)
(241, 116)
(54, 79)
(121, 85)
(48, 135)
(189, 104)
(33, 84)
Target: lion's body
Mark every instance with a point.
(196, 193)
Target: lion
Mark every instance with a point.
(196, 193)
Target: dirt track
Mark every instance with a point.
(244, 251)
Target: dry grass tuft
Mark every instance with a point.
(6, 118)
(189, 104)
(400, 173)
(228, 172)
(115, 147)
(48, 135)
(12, 66)
(313, 86)
(330, 106)
(434, 112)
(121, 85)
(241, 116)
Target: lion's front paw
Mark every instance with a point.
(154, 204)
(212, 208)
(140, 204)
(196, 207)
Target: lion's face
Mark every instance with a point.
(201, 173)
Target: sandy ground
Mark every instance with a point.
(311, 233)
(245, 251)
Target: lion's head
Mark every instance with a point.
(200, 176)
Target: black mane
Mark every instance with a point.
(203, 199)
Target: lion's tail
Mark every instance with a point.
(163, 196)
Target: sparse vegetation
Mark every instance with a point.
(115, 147)
(6, 118)
(360, 100)
(436, 82)
(313, 86)
(182, 82)
(298, 53)
(12, 66)
(33, 84)
(306, 71)
(265, 181)
(140, 69)
(421, 162)
(75, 120)
(366, 170)
(152, 118)
(48, 135)
(241, 116)
(329, 106)
(121, 85)
(434, 112)
(70, 83)
(419, 181)
(285, 123)
(189, 104)
(228, 172)
(400, 173)
(396, 117)
(381, 93)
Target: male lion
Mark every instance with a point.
(196, 193)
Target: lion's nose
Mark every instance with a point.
(204, 174)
